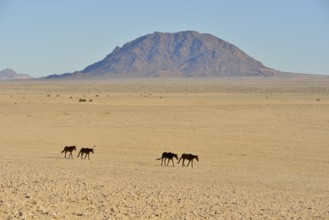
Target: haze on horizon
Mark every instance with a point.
(53, 37)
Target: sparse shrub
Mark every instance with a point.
(82, 100)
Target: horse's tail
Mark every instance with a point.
(79, 153)
(159, 158)
(62, 151)
(179, 160)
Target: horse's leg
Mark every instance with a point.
(188, 163)
(183, 164)
(86, 156)
(172, 160)
(192, 163)
(161, 161)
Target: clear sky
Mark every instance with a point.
(43, 37)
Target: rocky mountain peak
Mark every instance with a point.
(9, 74)
(181, 54)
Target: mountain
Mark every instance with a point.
(9, 74)
(182, 54)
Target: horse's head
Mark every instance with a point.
(92, 150)
(197, 157)
(74, 148)
(175, 155)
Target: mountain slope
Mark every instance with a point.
(9, 74)
(182, 54)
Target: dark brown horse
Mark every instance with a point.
(189, 157)
(169, 156)
(85, 151)
(69, 149)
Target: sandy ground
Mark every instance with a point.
(263, 148)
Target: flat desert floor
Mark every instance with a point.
(263, 147)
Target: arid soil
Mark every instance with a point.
(263, 146)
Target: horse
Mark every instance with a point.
(169, 156)
(189, 157)
(85, 151)
(69, 149)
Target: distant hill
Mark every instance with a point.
(9, 74)
(182, 54)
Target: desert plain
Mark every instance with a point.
(263, 147)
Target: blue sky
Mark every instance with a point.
(42, 37)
